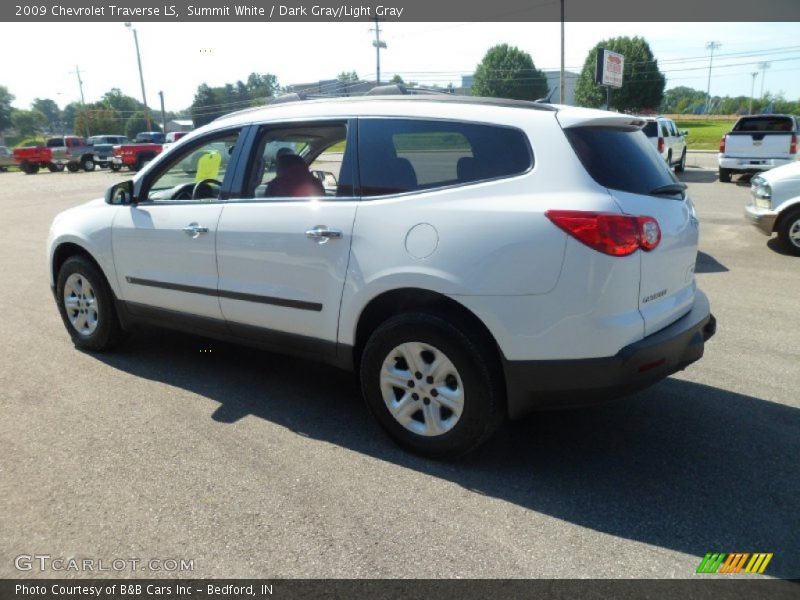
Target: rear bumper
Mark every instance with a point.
(549, 384)
(752, 165)
(763, 218)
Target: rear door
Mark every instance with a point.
(619, 157)
(761, 137)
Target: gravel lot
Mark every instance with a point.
(251, 464)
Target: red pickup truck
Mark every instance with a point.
(69, 151)
(134, 156)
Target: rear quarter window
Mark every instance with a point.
(405, 155)
(651, 129)
(619, 159)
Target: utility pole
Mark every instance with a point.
(163, 113)
(83, 101)
(710, 46)
(561, 81)
(141, 76)
(754, 74)
(378, 43)
(763, 66)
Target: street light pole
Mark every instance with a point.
(378, 43)
(754, 74)
(763, 66)
(561, 81)
(141, 76)
(710, 46)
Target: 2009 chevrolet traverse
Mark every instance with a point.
(472, 258)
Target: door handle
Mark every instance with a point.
(321, 234)
(194, 230)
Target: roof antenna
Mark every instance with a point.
(546, 99)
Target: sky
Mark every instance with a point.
(177, 57)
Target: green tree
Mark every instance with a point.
(122, 103)
(396, 79)
(99, 119)
(508, 72)
(28, 122)
(681, 99)
(261, 87)
(6, 98)
(136, 123)
(206, 105)
(642, 81)
(346, 77)
(50, 110)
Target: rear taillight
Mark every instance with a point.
(722, 144)
(660, 144)
(609, 233)
(793, 145)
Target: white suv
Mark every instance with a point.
(471, 258)
(668, 140)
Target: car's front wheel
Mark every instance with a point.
(86, 304)
(430, 386)
(789, 232)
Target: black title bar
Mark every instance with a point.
(187, 11)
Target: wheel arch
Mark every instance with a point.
(784, 212)
(401, 300)
(68, 248)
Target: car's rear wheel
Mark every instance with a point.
(430, 387)
(87, 164)
(789, 232)
(681, 166)
(86, 305)
(725, 175)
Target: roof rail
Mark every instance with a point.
(293, 97)
(398, 89)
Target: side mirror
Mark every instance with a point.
(685, 132)
(120, 193)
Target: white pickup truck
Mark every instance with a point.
(757, 143)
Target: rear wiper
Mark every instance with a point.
(669, 189)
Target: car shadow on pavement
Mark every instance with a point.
(697, 176)
(775, 245)
(708, 264)
(683, 466)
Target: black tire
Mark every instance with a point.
(681, 166)
(114, 167)
(725, 175)
(73, 167)
(53, 168)
(87, 163)
(31, 169)
(669, 158)
(108, 332)
(787, 223)
(480, 381)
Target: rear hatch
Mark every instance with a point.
(762, 136)
(619, 157)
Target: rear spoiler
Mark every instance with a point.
(599, 118)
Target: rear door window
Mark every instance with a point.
(406, 155)
(651, 129)
(619, 159)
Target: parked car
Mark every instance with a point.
(103, 146)
(6, 159)
(668, 140)
(150, 137)
(134, 156)
(757, 143)
(774, 205)
(171, 138)
(476, 258)
(67, 151)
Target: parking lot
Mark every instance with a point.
(252, 464)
